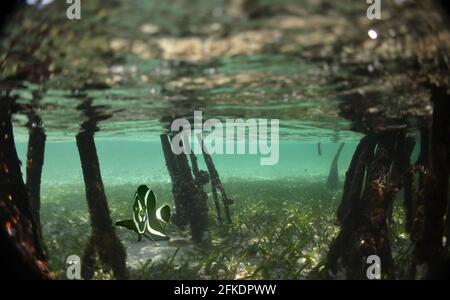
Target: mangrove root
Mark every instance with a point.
(35, 162)
(216, 185)
(22, 256)
(181, 215)
(103, 237)
(429, 247)
(363, 218)
(191, 205)
(333, 176)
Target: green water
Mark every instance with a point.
(294, 188)
(134, 162)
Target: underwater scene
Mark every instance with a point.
(224, 139)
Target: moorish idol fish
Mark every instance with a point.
(146, 218)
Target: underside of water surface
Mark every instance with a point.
(360, 159)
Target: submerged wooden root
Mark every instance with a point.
(377, 238)
(353, 186)
(429, 247)
(333, 176)
(197, 200)
(422, 167)
(403, 177)
(190, 199)
(22, 255)
(416, 216)
(97, 246)
(103, 239)
(354, 178)
(181, 215)
(35, 162)
(202, 178)
(217, 204)
(364, 229)
(217, 185)
(363, 219)
(89, 260)
(400, 176)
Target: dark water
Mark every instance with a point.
(130, 67)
